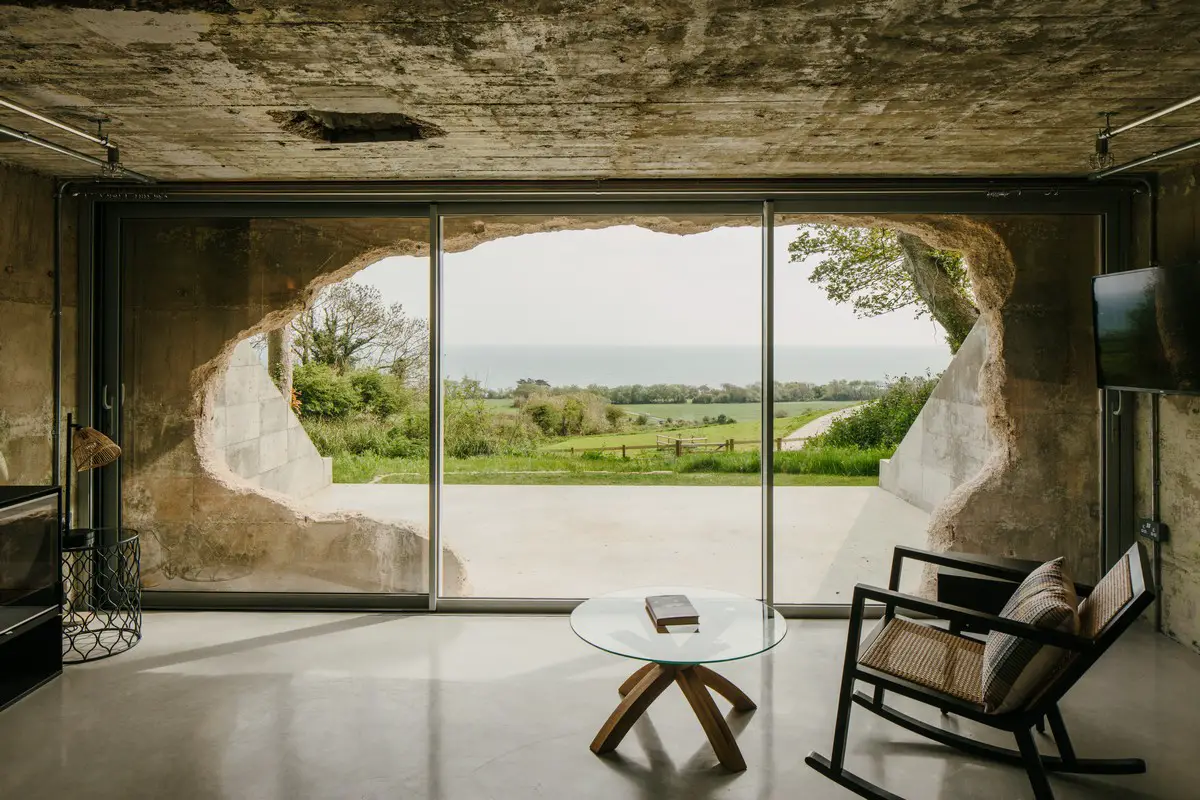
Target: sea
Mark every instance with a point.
(498, 367)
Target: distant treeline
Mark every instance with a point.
(637, 394)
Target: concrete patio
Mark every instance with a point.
(579, 541)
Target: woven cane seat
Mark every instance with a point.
(928, 656)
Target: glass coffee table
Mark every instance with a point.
(731, 627)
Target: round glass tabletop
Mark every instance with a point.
(731, 626)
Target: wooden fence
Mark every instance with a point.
(679, 446)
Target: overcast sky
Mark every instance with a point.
(629, 286)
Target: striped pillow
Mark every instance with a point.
(1014, 669)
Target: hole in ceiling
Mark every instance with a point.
(337, 127)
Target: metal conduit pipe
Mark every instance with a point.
(1143, 120)
(111, 166)
(62, 126)
(1137, 162)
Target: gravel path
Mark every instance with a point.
(795, 440)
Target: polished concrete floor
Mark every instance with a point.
(299, 706)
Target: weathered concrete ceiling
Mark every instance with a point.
(209, 89)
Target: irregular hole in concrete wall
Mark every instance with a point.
(337, 127)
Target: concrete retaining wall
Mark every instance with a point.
(950, 441)
(259, 436)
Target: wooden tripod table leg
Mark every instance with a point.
(653, 681)
(635, 678)
(719, 735)
(724, 687)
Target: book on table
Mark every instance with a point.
(671, 609)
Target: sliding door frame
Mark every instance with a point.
(1111, 203)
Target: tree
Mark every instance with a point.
(349, 326)
(878, 270)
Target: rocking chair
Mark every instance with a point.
(937, 667)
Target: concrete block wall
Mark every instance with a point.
(950, 441)
(259, 435)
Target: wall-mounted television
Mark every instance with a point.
(1147, 325)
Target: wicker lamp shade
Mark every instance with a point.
(92, 449)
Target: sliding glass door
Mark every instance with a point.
(274, 402)
(602, 403)
(555, 400)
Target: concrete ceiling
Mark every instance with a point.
(205, 89)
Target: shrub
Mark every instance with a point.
(544, 412)
(615, 415)
(324, 393)
(381, 394)
(473, 430)
(571, 414)
(363, 435)
(880, 423)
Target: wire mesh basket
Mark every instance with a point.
(102, 587)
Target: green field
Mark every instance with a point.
(748, 429)
(577, 460)
(739, 411)
(502, 406)
(742, 412)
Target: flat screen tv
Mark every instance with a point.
(1147, 325)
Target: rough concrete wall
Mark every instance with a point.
(1038, 496)
(195, 289)
(257, 433)
(27, 325)
(1179, 431)
(949, 442)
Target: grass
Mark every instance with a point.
(747, 429)
(503, 406)
(813, 467)
(742, 412)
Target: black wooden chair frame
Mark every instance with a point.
(1020, 722)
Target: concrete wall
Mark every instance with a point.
(196, 288)
(1179, 418)
(950, 442)
(27, 325)
(256, 432)
(1037, 494)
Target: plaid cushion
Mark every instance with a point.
(1015, 669)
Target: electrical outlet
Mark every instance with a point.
(1153, 530)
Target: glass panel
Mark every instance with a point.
(270, 365)
(730, 626)
(838, 347)
(599, 371)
